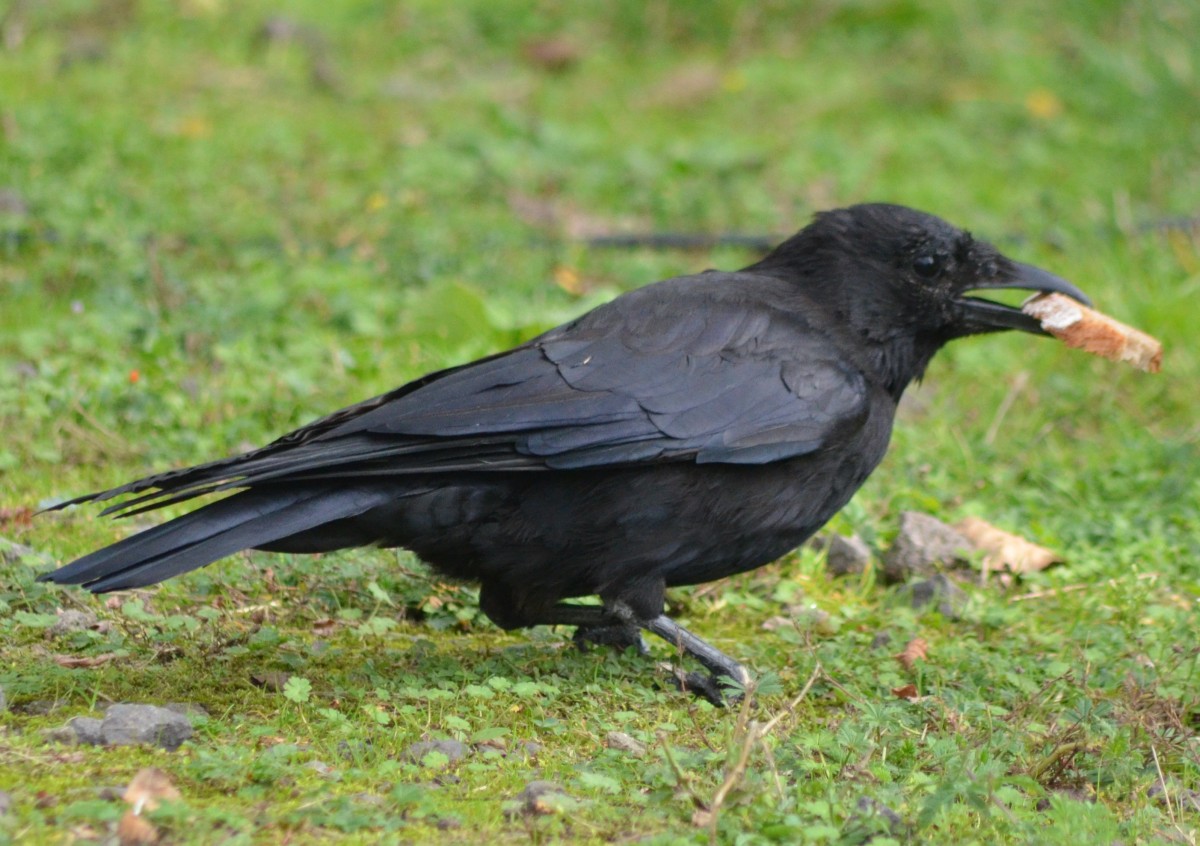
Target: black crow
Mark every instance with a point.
(692, 429)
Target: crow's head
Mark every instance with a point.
(888, 270)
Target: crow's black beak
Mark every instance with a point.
(987, 316)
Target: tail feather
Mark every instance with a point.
(243, 521)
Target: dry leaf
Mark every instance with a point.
(555, 54)
(916, 650)
(908, 691)
(72, 662)
(687, 85)
(1004, 550)
(149, 787)
(132, 830)
(19, 517)
(774, 624)
(568, 279)
(324, 626)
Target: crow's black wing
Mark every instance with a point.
(696, 369)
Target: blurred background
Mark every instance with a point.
(222, 218)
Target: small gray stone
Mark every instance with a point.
(5, 802)
(452, 749)
(320, 768)
(1185, 800)
(1074, 794)
(88, 730)
(12, 552)
(12, 203)
(847, 556)
(537, 789)
(950, 598)
(126, 725)
(354, 751)
(71, 621)
(531, 748)
(923, 544)
(623, 742)
(867, 805)
(872, 813)
(538, 797)
(3, 701)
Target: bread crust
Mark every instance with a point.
(1078, 326)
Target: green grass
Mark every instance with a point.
(224, 235)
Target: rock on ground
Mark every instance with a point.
(539, 797)
(847, 556)
(924, 543)
(623, 742)
(128, 725)
(131, 724)
(452, 749)
(71, 621)
(950, 598)
(871, 813)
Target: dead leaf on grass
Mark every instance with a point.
(555, 54)
(324, 626)
(908, 691)
(915, 650)
(149, 788)
(1004, 550)
(73, 662)
(20, 517)
(132, 830)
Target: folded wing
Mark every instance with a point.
(723, 381)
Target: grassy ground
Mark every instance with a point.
(219, 219)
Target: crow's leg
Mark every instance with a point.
(714, 660)
(616, 624)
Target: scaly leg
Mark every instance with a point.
(616, 625)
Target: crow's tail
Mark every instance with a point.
(252, 518)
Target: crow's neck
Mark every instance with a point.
(900, 361)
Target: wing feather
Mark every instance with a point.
(704, 369)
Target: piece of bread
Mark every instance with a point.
(1078, 326)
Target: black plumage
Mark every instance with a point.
(695, 428)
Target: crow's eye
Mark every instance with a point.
(927, 266)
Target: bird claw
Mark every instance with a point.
(717, 690)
